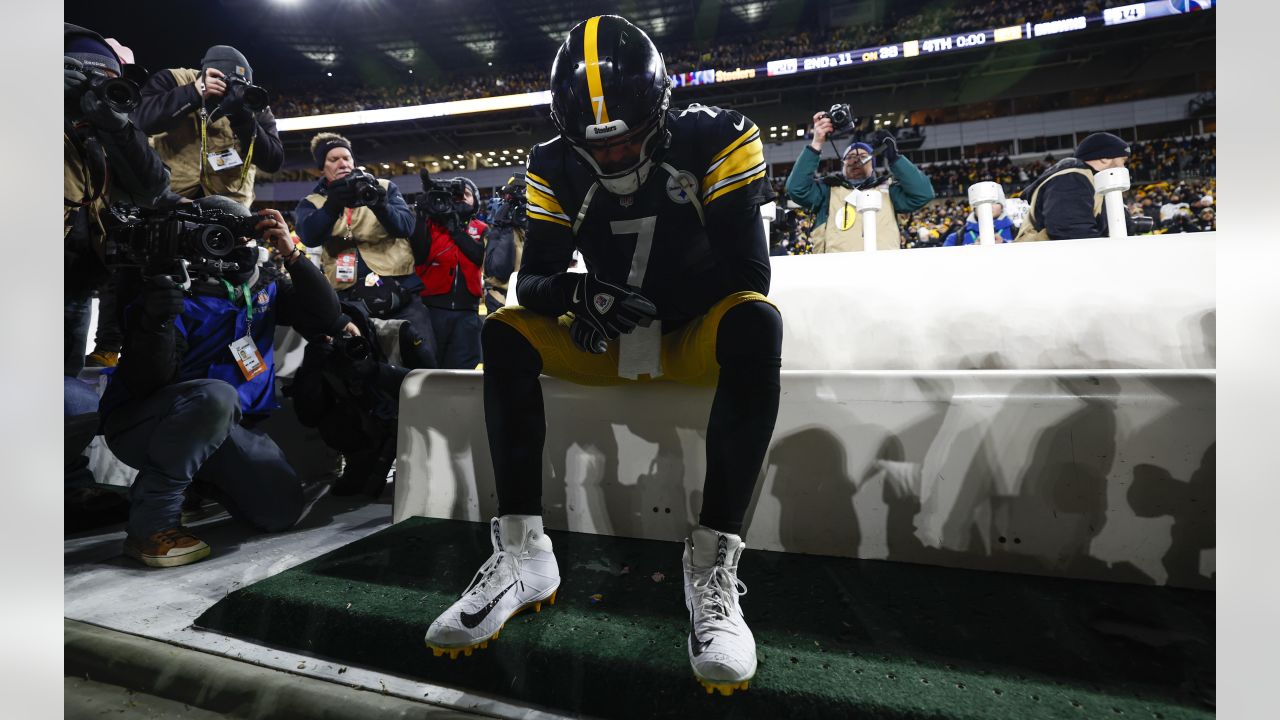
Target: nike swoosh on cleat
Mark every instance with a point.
(470, 621)
(699, 646)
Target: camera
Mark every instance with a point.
(1140, 224)
(119, 94)
(842, 120)
(186, 237)
(437, 198)
(365, 187)
(511, 213)
(255, 97)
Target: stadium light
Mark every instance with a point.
(446, 157)
(492, 153)
(407, 163)
(329, 74)
(385, 166)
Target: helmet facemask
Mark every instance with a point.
(630, 175)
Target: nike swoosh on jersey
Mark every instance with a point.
(470, 620)
(741, 121)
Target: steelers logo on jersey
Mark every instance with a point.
(681, 187)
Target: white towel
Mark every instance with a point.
(640, 352)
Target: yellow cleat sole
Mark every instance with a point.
(465, 651)
(725, 689)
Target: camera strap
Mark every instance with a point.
(98, 173)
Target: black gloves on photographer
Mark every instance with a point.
(162, 301)
(884, 139)
(76, 93)
(341, 193)
(608, 310)
(233, 105)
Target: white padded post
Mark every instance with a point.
(868, 203)
(1111, 184)
(982, 196)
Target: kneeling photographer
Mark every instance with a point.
(448, 247)
(363, 225)
(105, 159)
(199, 308)
(837, 226)
(211, 126)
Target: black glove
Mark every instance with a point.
(162, 301)
(609, 309)
(232, 105)
(340, 193)
(889, 146)
(73, 79)
(100, 115)
(834, 180)
(587, 338)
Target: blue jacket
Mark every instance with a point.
(1004, 229)
(197, 344)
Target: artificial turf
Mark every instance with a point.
(836, 637)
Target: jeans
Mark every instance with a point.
(457, 338)
(191, 431)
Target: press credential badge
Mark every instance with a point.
(248, 358)
(225, 160)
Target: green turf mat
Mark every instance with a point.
(837, 638)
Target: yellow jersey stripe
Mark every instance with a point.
(536, 213)
(531, 176)
(538, 198)
(594, 84)
(733, 145)
(744, 158)
(733, 186)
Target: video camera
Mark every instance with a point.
(177, 241)
(438, 197)
(119, 94)
(511, 213)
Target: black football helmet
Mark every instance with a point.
(609, 88)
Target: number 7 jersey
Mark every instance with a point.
(667, 239)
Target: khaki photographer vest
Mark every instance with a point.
(1028, 231)
(385, 255)
(843, 230)
(179, 148)
(77, 186)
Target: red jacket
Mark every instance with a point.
(445, 260)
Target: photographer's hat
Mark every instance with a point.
(228, 60)
(1100, 146)
(89, 48)
(856, 146)
(322, 143)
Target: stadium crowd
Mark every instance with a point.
(743, 50)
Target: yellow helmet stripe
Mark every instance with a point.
(594, 84)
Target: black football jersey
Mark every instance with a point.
(663, 239)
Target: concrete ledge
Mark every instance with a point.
(171, 675)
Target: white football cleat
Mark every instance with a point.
(520, 574)
(722, 649)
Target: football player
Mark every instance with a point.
(664, 207)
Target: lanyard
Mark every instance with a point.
(204, 147)
(248, 306)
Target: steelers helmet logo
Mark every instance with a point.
(602, 302)
(681, 187)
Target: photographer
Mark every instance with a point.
(105, 159)
(363, 225)
(1062, 201)
(198, 361)
(448, 245)
(838, 226)
(211, 126)
(505, 243)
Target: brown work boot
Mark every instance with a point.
(167, 548)
(102, 358)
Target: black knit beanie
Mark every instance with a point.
(1101, 145)
(321, 149)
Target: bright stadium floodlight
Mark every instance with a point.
(408, 163)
